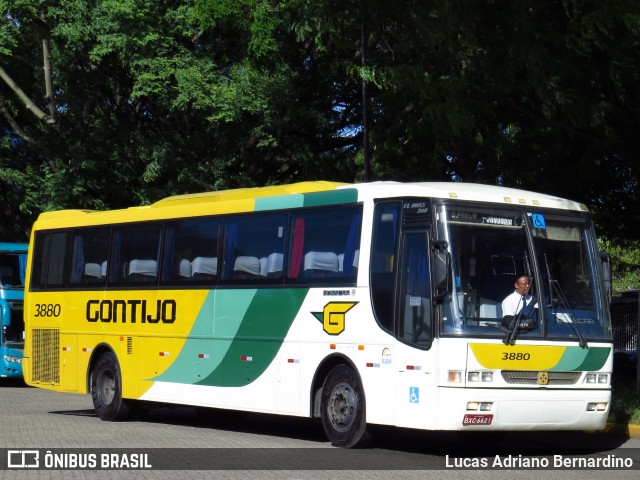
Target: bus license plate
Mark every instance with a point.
(474, 419)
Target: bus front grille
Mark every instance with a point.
(527, 377)
(45, 363)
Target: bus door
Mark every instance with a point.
(414, 359)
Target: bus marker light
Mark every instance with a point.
(373, 365)
(203, 355)
(596, 407)
(486, 406)
(164, 354)
(66, 349)
(414, 367)
(332, 346)
(360, 347)
(293, 360)
(245, 358)
(86, 349)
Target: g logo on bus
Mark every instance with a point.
(333, 316)
(543, 378)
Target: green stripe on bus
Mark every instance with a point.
(201, 350)
(595, 359)
(578, 358)
(313, 199)
(280, 202)
(261, 333)
(249, 328)
(333, 197)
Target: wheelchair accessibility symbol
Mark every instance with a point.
(414, 395)
(538, 221)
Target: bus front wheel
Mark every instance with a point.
(343, 409)
(106, 389)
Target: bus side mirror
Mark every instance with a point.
(5, 314)
(441, 271)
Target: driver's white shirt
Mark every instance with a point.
(513, 303)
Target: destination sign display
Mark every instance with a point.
(481, 218)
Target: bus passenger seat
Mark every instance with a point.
(263, 266)
(356, 260)
(92, 272)
(204, 268)
(142, 270)
(320, 264)
(246, 267)
(275, 265)
(184, 268)
(488, 308)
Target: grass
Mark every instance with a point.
(625, 398)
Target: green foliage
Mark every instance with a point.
(625, 263)
(625, 397)
(156, 98)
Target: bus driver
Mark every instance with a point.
(514, 302)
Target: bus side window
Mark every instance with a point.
(90, 248)
(254, 248)
(191, 249)
(135, 251)
(414, 324)
(324, 245)
(383, 266)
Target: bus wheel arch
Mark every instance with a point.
(105, 386)
(340, 404)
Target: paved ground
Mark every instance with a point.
(262, 446)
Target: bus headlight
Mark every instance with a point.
(599, 378)
(487, 376)
(480, 377)
(596, 406)
(481, 406)
(10, 359)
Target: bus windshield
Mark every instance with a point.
(12, 270)
(553, 257)
(12, 276)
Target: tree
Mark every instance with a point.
(148, 98)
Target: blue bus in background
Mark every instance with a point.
(13, 262)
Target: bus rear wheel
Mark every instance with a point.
(106, 389)
(343, 409)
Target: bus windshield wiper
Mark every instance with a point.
(566, 316)
(512, 331)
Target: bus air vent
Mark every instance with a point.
(46, 356)
(517, 377)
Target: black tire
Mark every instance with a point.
(106, 389)
(343, 411)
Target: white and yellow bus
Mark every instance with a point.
(363, 304)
